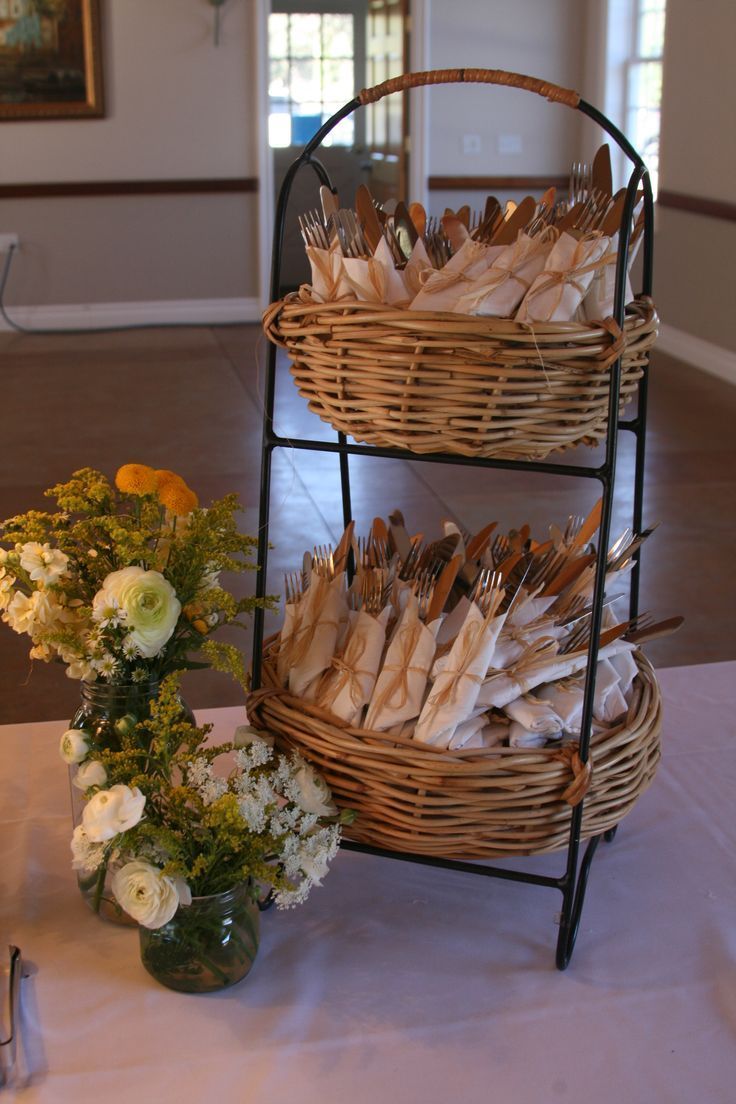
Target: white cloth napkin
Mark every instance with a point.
(503, 687)
(443, 287)
(328, 282)
(598, 301)
(416, 266)
(534, 715)
(558, 290)
(348, 684)
(399, 690)
(455, 690)
(523, 738)
(514, 640)
(315, 640)
(286, 640)
(498, 291)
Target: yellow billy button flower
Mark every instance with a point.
(136, 479)
(174, 493)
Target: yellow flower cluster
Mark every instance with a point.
(171, 490)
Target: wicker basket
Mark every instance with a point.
(418, 799)
(481, 387)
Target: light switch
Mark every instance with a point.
(509, 143)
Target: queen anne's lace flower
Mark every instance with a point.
(86, 855)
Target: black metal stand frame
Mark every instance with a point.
(572, 883)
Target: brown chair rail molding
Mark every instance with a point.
(129, 188)
(495, 183)
(698, 205)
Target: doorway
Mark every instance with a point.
(320, 53)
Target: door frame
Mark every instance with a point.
(419, 11)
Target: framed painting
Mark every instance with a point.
(50, 61)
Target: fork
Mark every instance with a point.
(323, 561)
(293, 587)
(580, 178)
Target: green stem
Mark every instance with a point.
(99, 886)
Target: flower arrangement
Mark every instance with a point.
(177, 819)
(121, 583)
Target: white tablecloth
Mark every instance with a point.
(402, 982)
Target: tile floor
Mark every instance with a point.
(189, 399)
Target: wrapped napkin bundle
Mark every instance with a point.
(559, 289)
(455, 691)
(427, 653)
(400, 687)
(348, 683)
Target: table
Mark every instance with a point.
(403, 982)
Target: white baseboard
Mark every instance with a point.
(164, 312)
(694, 350)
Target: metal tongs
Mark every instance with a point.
(9, 1014)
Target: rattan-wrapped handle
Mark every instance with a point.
(551, 92)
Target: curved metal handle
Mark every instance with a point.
(549, 91)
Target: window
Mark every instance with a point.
(311, 76)
(644, 83)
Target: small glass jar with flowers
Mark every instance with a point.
(121, 583)
(197, 834)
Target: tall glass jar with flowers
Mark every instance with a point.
(121, 583)
(197, 833)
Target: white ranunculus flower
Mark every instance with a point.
(245, 735)
(148, 602)
(91, 773)
(86, 856)
(312, 794)
(44, 564)
(112, 811)
(74, 745)
(147, 895)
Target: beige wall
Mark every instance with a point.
(177, 108)
(542, 38)
(695, 256)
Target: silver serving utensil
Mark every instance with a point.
(10, 1014)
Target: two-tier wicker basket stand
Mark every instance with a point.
(573, 881)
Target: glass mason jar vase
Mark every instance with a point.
(105, 710)
(208, 945)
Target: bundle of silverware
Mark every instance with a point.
(465, 641)
(550, 259)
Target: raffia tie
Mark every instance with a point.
(560, 278)
(498, 275)
(582, 773)
(533, 656)
(409, 640)
(439, 279)
(448, 693)
(376, 281)
(321, 260)
(349, 674)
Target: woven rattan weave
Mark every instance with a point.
(469, 804)
(452, 383)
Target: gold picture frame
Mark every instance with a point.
(50, 60)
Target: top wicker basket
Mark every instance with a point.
(452, 383)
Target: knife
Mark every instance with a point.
(601, 177)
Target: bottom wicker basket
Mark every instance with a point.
(499, 802)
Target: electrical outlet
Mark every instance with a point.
(471, 143)
(7, 241)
